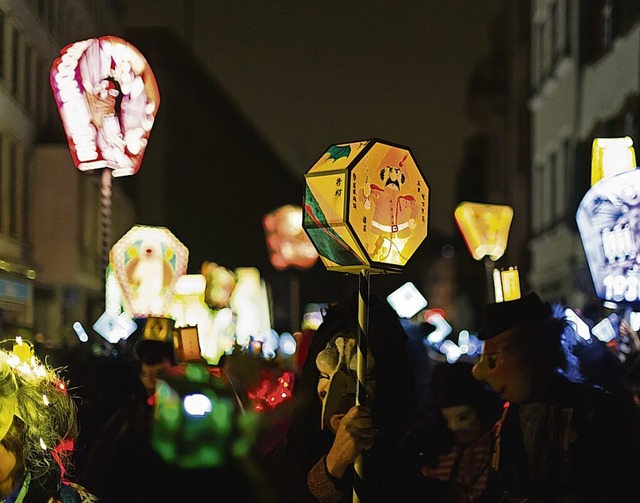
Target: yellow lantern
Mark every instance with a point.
(506, 284)
(366, 206)
(610, 156)
(484, 227)
(148, 262)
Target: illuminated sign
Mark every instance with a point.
(107, 98)
(366, 206)
(608, 219)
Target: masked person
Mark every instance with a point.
(557, 440)
(37, 431)
(328, 431)
(451, 448)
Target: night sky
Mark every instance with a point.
(309, 74)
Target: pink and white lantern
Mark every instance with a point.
(107, 97)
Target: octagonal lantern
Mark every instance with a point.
(366, 206)
(148, 262)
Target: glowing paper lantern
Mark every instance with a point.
(287, 242)
(484, 227)
(366, 206)
(407, 300)
(114, 328)
(608, 219)
(220, 283)
(610, 156)
(194, 419)
(186, 344)
(107, 98)
(250, 303)
(190, 309)
(148, 262)
(506, 284)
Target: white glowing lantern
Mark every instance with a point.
(148, 262)
(190, 309)
(115, 328)
(407, 300)
(250, 303)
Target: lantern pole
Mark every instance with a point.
(294, 301)
(361, 371)
(489, 266)
(105, 217)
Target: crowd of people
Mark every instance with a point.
(538, 417)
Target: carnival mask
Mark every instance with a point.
(337, 380)
(504, 366)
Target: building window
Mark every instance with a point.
(15, 60)
(547, 195)
(538, 59)
(554, 27)
(42, 9)
(13, 193)
(536, 199)
(28, 79)
(568, 32)
(2, 45)
(607, 24)
(26, 180)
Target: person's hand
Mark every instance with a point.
(631, 334)
(354, 433)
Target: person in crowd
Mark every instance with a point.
(631, 362)
(37, 430)
(328, 431)
(452, 446)
(122, 451)
(557, 440)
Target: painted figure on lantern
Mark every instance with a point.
(107, 98)
(148, 274)
(394, 213)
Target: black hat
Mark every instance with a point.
(454, 384)
(501, 316)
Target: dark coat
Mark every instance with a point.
(582, 443)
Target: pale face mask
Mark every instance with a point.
(463, 422)
(337, 381)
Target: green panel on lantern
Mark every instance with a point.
(338, 157)
(324, 223)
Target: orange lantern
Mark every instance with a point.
(287, 242)
(366, 206)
